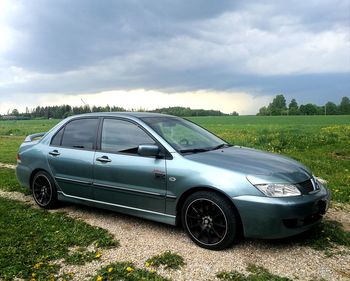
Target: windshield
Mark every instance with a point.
(183, 135)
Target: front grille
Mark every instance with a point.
(307, 185)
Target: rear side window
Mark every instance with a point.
(56, 140)
(123, 136)
(80, 133)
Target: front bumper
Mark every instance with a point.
(273, 218)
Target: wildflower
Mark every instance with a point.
(99, 278)
(33, 274)
(147, 264)
(98, 255)
(110, 269)
(152, 271)
(129, 269)
(37, 265)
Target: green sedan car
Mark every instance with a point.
(170, 170)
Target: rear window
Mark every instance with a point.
(80, 134)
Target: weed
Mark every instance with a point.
(256, 273)
(126, 271)
(81, 256)
(168, 259)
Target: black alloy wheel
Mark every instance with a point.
(44, 190)
(209, 220)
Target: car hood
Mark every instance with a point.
(264, 165)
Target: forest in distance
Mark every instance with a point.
(277, 107)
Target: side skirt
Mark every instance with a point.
(154, 216)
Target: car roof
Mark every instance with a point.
(125, 114)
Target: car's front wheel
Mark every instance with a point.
(210, 220)
(44, 190)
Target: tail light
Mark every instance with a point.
(18, 158)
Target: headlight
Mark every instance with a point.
(278, 189)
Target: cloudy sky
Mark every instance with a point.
(226, 55)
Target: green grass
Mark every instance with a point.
(8, 181)
(256, 273)
(25, 127)
(325, 236)
(81, 256)
(167, 259)
(9, 147)
(31, 239)
(126, 271)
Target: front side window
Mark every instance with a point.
(120, 136)
(80, 133)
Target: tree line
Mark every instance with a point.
(279, 107)
(63, 111)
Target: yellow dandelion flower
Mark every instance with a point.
(98, 255)
(147, 264)
(110, 269)
(37, 265)
(129, 269)
(99, 278)
(152, 271)
(33, 274)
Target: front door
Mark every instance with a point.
(121, 176)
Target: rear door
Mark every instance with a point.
(71, 157)
(123, 177)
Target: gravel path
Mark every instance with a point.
(141, 239)
(8, 166)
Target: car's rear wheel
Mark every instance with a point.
(44, 190)
(210, 220)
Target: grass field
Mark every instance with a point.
(320, 142)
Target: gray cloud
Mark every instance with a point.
(297, 47)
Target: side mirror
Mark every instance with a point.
(148, 150)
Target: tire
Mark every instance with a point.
(210, 220)
(44, 190)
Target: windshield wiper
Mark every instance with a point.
(221, 146)
(194, 150)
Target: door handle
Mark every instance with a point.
(103, 159)
(54, 153)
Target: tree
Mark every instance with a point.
(293, 107)
(331, 108)
(15, 112)
(263, 111)
(344, 107)
(278, 105)
(308, 109)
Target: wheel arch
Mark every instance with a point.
(33, 173)
(193, 190)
